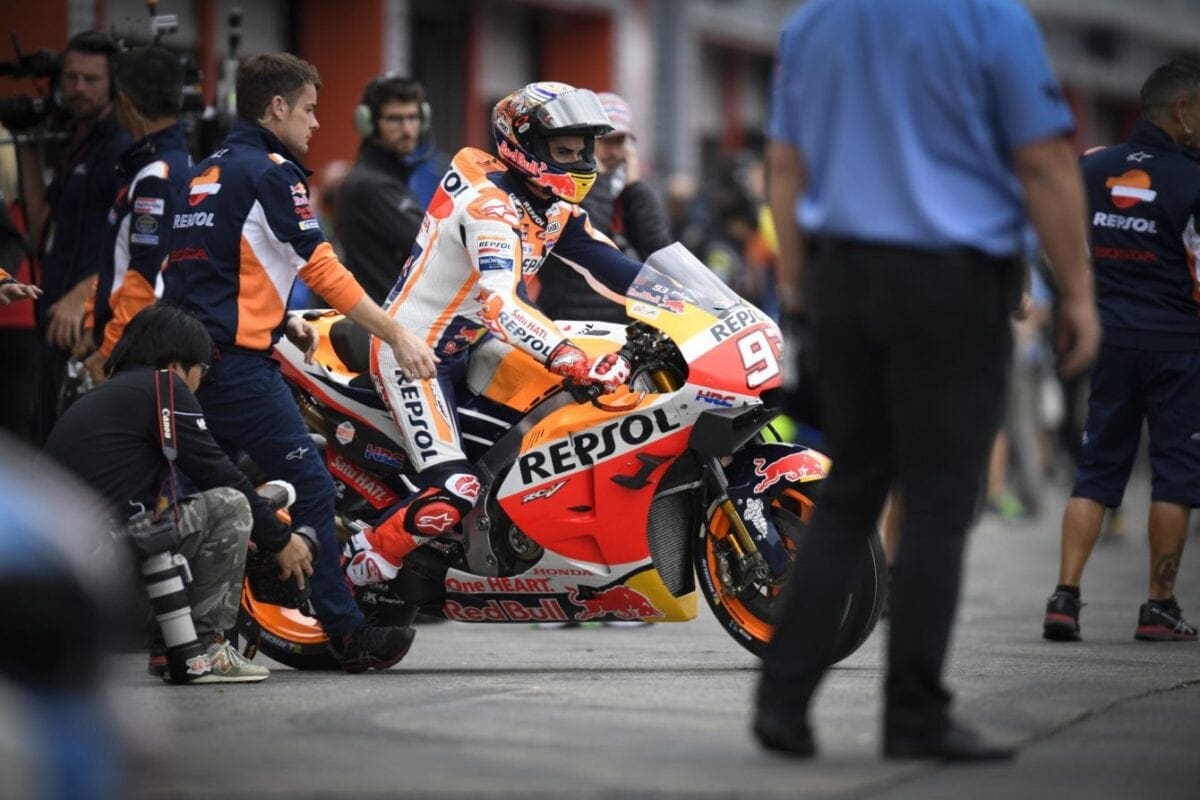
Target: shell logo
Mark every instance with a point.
(203, 185)
(1131, 188)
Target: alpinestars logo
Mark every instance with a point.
(433, 524)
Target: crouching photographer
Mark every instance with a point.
(125, 439)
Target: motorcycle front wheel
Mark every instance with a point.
(749, 617)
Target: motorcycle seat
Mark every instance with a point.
(362, 389)
(352, 344)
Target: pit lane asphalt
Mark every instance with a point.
(663, 712)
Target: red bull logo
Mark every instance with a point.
(619, 601)
(565, 186)
(793, 468)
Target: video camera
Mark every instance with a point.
(25, 111)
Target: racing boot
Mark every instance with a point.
(365, 566)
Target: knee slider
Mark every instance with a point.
(442, 506)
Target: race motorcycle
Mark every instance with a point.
(591, 507)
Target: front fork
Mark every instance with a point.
(748, 571)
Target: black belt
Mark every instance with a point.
(826, 246)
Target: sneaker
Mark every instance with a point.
(371, 647)
(1062, 618)
(228, 666)
(1163, 623)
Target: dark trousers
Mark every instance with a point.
(248, 408)
(911, 352)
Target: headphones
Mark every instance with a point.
(365, 120)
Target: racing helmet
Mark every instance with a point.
(524, 121)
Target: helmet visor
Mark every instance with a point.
(573, 111)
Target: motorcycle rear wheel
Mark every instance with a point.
(286, 635)
(751, 621)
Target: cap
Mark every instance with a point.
(618, 113)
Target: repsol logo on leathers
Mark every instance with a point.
(418, 425)
(592, 446)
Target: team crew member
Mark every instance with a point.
(379, 208)
(488, 227)
(248, 231)
(1145, 210)
(65, 221)
(155, 170)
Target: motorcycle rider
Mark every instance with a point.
(463, 290)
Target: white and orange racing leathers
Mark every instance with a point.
(466, 286)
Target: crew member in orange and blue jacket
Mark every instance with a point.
(246, 233)
(154, 174)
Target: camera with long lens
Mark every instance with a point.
(166, 576)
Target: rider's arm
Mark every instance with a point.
(593, 255)
(505, 308)
(508, 314)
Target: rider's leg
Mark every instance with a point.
(425, 412)
(449, 493)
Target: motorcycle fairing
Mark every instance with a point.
(563, 593)
(584, 478)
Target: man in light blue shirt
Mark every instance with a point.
(911, 142)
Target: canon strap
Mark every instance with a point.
(164, 395)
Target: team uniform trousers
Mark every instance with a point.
(249, 408)
(1129, 386)
(912, 350)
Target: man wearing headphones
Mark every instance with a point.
(66, 221)
(382, 202)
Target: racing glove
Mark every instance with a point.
(608, 371)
